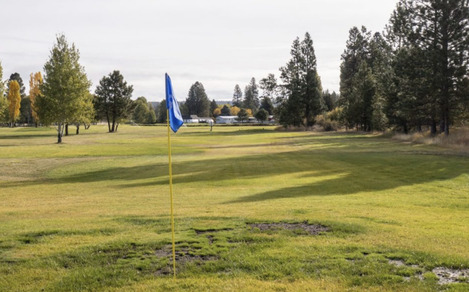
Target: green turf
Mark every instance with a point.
(93, 213)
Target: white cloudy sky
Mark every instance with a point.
(219, 43)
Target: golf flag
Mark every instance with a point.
(174, 114)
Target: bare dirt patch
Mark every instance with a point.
(183, 255)
(448, 276)
(445, 275)
(312, 229)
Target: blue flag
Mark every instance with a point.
(175, 117)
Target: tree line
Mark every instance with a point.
(62, 97)
(412, 76)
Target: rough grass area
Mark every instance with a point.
(256, 210)
(457, 140)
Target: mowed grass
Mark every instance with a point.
(93, 213)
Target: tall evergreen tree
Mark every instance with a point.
(269, 93)
(237, 96)
(65, 89)
(213, 106)
(113, 100)
(251, 96)
(354, 56)
(440, 30)
(3, 100)
(330, 100)
(197, 101)
(303, 100)
(364, 75)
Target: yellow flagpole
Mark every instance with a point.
(171, 196)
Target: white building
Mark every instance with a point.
(226, 120)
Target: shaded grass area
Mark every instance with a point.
(93, 214)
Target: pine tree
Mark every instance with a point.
(364, 80)
(237, 96)
(213, 107)
(113, 100)
(3, 100)
(251, 96)
(439, 30)
(302, 86)
(197, 101)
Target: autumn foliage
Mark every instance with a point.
(14, 100)
(35, 81)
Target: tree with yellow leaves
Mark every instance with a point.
(14, 100)
(35, 81)
(234, 110)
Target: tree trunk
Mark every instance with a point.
(78, 129)
(113, 124)
(433, 128)
(66, 129)
(446, 128)
(59, 133)
(108, 122)
(117, 126)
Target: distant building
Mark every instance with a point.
(194, 119)
(226, 120)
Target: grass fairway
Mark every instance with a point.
(93, 213)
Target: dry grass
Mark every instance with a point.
(458, 139)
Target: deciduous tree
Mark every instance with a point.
(262, 115)
(243, 115)
(234, 110)
(35, 81)
(14, 101)
(65, 89)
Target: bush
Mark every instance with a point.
(330, 121)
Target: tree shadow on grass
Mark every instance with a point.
(232, 132)
(332, 173)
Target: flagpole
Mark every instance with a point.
(171, 196)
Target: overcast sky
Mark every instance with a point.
(220, 43)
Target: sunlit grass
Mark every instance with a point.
(93, 213)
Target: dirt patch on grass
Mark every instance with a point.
(184, 255)
(444, 275)
(312, 229)
(202, 231)
(449, 276)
